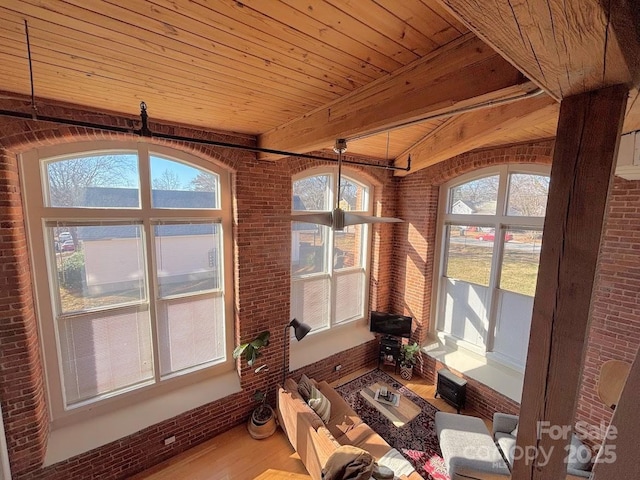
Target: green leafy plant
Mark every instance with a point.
(72, 274)
(251, 351)
(409, 354)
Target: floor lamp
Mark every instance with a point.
(300, 330)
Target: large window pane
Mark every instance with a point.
(178, 185)
(98, 266)
(468, 258)
(353, 195)
(104, 353)
(310, 301)
(188, 257)
(191, 332)
(348, 247)
(520, 261)
(312, 193)
(478, 197)
(527, 195)
(97, 181)
(349, 295)
(308, 248)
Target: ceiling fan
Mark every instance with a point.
(338, 218)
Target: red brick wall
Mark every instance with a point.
(615, 311)
(262, 285)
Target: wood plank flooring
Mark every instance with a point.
(234, 455)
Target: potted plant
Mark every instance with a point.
(262, 423)
(408, 358)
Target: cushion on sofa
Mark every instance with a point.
(343, 417)
(363, 436)
(507, 444)
(320, 404)
(299, 408)
(468, 449)
(305, 387)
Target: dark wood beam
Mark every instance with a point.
(468, 131)
(463, 73)
(565, 46)
(587, 139)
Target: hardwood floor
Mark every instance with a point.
(234, 455)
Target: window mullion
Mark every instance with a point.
(150, 254)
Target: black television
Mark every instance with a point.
(391, 324)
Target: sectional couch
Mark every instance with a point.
(315, 440)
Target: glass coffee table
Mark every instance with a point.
(399, 415)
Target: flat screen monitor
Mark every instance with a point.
(391, 324)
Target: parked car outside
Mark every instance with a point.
(64, 236)
(491, 236)
(68, 246)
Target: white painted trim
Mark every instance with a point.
(500, 378)
(5, 469)
(501, 222)
(31, 175)
(94, 432)
(321, 345)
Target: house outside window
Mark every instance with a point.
(132, 260)
(490, 237)
(329, 269)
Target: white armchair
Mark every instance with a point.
(505, 431)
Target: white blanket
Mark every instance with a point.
(394, 460)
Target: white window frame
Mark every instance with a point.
(31, 170)
(501, 222)
(339, 337)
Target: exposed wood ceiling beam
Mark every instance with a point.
(566, 46)
(472, 130)
(462, 73)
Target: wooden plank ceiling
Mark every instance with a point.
(296, 74)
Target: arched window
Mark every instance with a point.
(132, 265)
(329, 269)
(491, 235)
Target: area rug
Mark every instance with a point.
(416, 440)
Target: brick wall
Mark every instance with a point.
(262, 284)
(615, 311)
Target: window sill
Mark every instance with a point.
(69, 441)
(321, 345)
(501, 378)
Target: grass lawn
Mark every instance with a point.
(472, 263)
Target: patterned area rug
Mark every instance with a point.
(417, 440)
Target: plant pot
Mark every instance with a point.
(406, 372)
(262, 423)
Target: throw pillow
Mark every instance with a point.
(320, 404)
(514, 432)
(304, 387)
